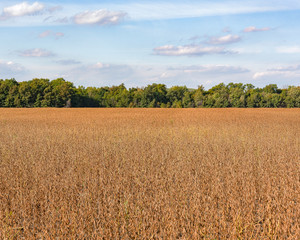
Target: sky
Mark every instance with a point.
(191, 43)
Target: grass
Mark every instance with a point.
(149, 173)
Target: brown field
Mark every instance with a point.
(149, 173)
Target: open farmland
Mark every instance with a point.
(149, 173)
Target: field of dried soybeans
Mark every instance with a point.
(149, 173)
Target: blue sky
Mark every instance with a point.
(105, 43)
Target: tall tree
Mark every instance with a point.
(154, 95)
(175, 95)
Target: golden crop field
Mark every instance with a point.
(149, 173)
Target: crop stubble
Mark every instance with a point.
(149, 173)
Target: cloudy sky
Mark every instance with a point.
(195, 42)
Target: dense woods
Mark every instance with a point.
(61, 93)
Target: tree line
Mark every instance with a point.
(61, 93)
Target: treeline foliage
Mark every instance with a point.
(61, 93)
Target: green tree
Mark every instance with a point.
(25, 95)
(62, 92)
(237, 96)
(95, 96)
(137, 94)
(218, 96)
(117, 96)
(152, 92)
(8, 93)
(187, 100)
(271, 88)
(58, 93)
(37, 88)
(199, 97)
(5, 86)
(176, 94)
(293, 97)
(31, 92)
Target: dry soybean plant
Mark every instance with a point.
(149, 173)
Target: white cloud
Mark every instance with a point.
(36, 52)
(195, 8)
(267, 74)
(22, 9)
(101, 74)
(139, 10)
(202, 70)
(108, 74)
(283, 72)
(287, 68)
(168, 74)
(214, 69)
(248, 50)
(225, 39)
(288, 49)
(99, 17)
(259, 75)
(100, 65)
(9, 68)
(206, 75)
(254, 29)
(189, 50)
